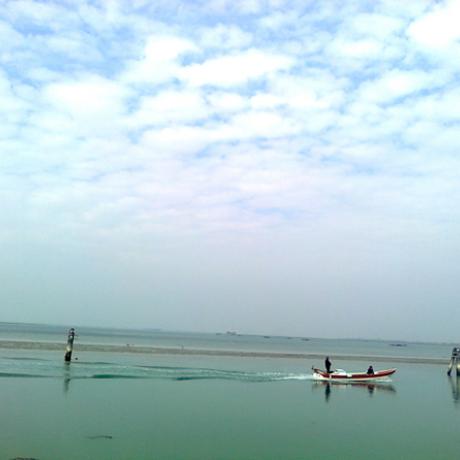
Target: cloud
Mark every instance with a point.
(442, 106)
(269, 132)
(170, 106)
(10, 102)
(9, 36)
(79, 46)
(438, 27)
(34, 13)
(42, 74)
(235, 69)
(224, 102)
(158, 62)
(310, 91)
(240, 7)
(225, 36)
(278, 20)
(396, 84)
(257, 124)
(183, 140)
(89, 99)
(356, 49)
(380, 26)
(78, 108)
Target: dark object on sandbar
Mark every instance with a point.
(267, 337)
(454, 362)
(69, 347)
(100, 436)
(398, 344)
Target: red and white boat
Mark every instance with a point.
(340, 375)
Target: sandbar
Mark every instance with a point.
(108, 348)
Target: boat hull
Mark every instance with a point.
(343, 376)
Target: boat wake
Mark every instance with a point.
(107, 370)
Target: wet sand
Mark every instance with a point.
(54, 346)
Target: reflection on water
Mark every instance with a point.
(327, 392)
(330, 387)
(455, 386)
(67, 377)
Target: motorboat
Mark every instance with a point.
(339, 375)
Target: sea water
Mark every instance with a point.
(145, 406)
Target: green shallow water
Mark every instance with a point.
(219, 408)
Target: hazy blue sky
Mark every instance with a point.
(271, 166)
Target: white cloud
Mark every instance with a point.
(265, 101)
(9, 37)
(92, 95)
(9, 102)
(90, 104)
(257, 124)
(158, 62)
(163, 49)
(77, 45)
(42, 74)
(188, 140)
(235, 69)
(180, 140)
(437, 28)
(336, 130)
(396, 84)
(170, 106)
(356, 49)
(242, 7)
(379, 26)
(441, 141)
(443, 106)
(223, 102)
(278, 20)
(314, 90)
(103, 16)
(225, 36)
(53, 15)
(404, 10)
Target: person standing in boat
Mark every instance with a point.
(370, 370)
(327, 364)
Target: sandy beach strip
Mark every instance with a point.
(53, 346)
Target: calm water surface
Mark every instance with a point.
(124, 406)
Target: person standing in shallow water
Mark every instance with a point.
(327, 363)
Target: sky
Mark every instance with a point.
(264, 166)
